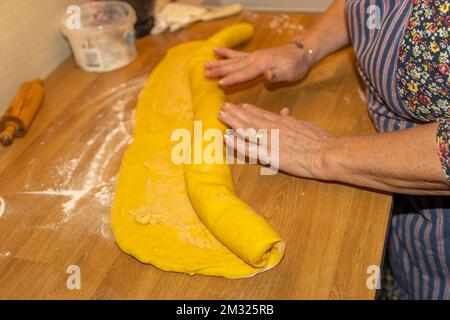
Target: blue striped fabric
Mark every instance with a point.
(419, 238)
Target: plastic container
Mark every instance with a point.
(145, 19)
(102, 39)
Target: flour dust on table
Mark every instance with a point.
(82, 180)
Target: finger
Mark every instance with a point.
(270, 120)
(220, 63)
(261, 113)
(238, 112)
(251, 117)
(240, 76)
(253, 127)
(215, 69)
(270, 76)
(228, 117)
(229, 53)
(244, 148)
(285, 112)
(248, 130)
(232, 66)
(248, 134)
(275, 76)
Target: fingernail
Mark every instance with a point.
(221, 82)
(228, 139)
(226, 105)
(221, 114)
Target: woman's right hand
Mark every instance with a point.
(286, 63)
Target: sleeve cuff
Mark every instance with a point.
(443, 144)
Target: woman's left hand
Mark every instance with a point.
(301, 144)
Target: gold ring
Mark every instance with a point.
(258, 137)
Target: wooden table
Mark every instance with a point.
(59, 181)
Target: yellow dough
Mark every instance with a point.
(186, 218)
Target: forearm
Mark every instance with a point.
(404, 161)
(329, 34)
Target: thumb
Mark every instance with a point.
(270, 76)
(285, 112)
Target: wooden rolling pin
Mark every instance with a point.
(21, 112)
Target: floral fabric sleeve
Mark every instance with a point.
(443, 143)
(423, 74)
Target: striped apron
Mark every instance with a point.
(419, 237)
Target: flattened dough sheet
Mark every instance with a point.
(186, 218)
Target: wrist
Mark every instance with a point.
(328, 165)
(310, 47)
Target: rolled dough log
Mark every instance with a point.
(186, 218)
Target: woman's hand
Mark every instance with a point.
(404, 161)
(286, 63)
(301, 144)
